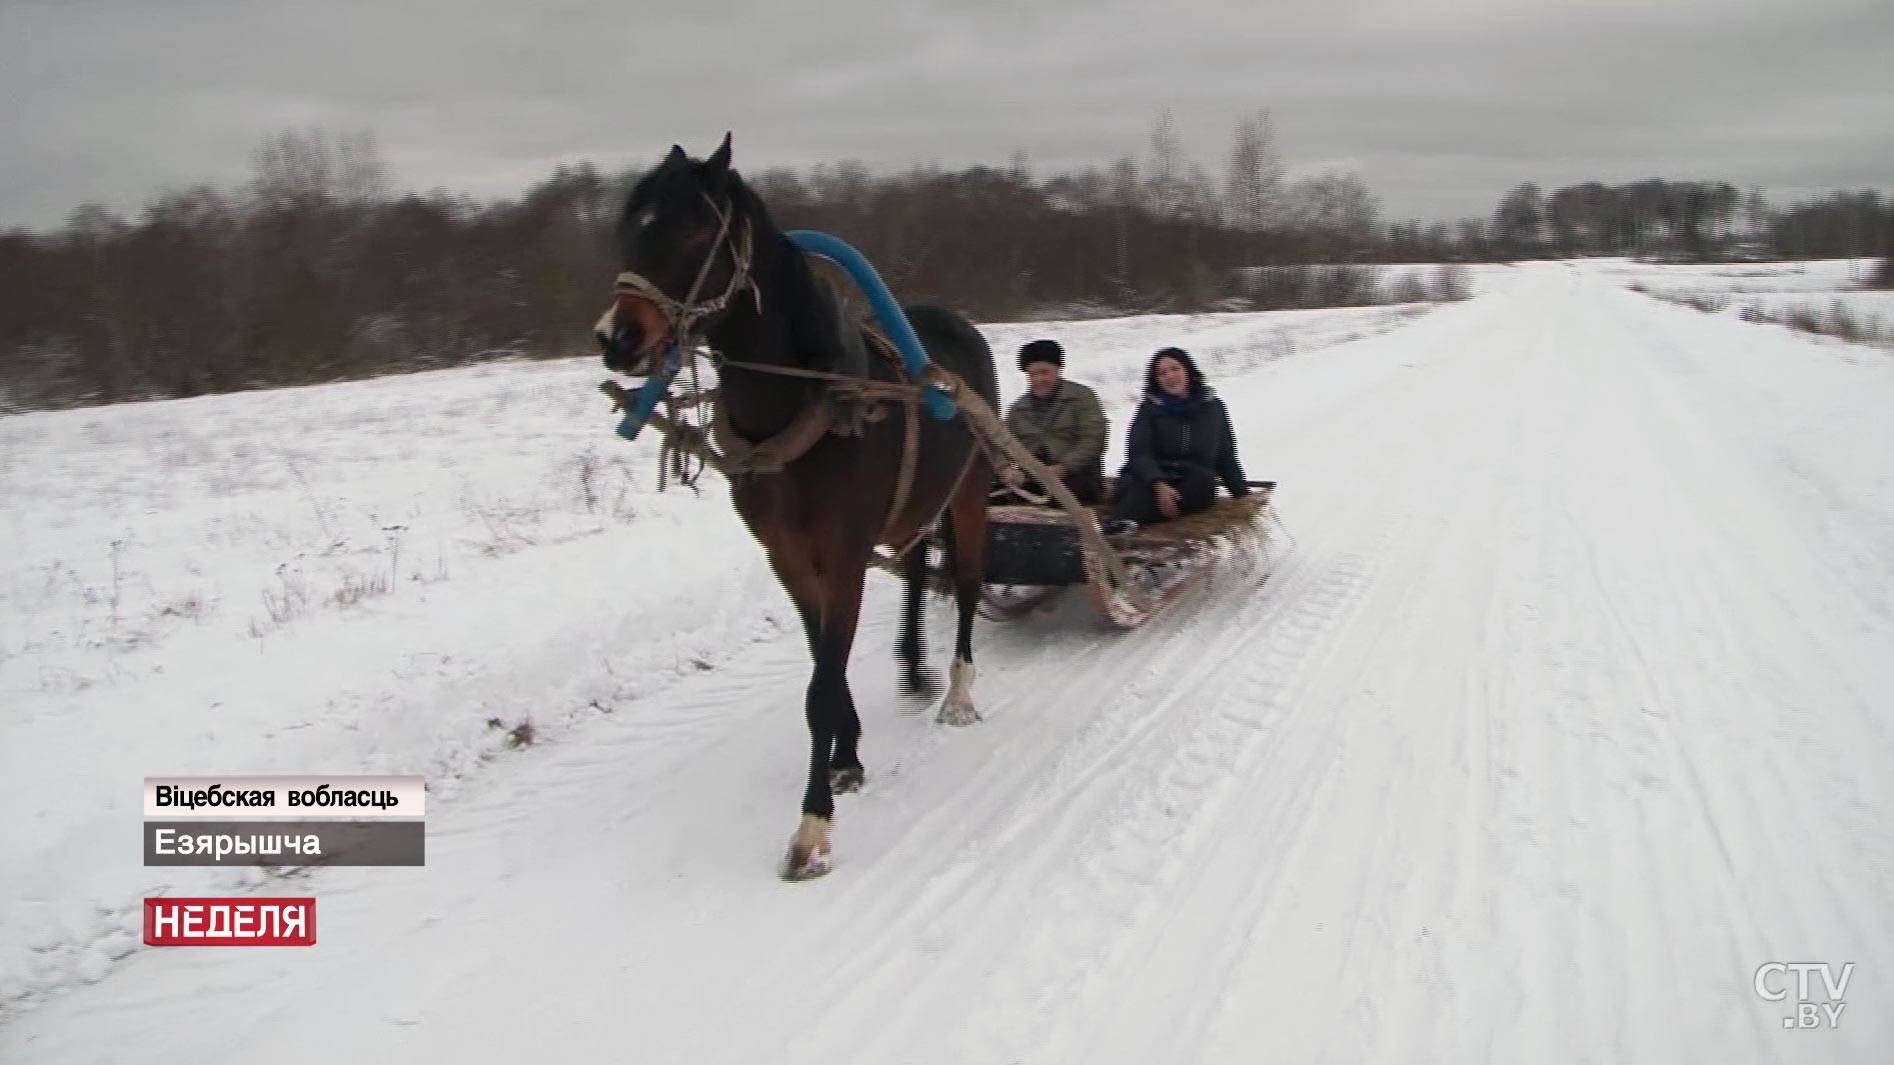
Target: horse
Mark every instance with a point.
(691, 227)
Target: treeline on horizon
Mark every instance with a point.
(313, 271)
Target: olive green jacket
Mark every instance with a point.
(1071, 430)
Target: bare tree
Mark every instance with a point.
(301, 169)
(1756, 213)
(1020, 168)
(1338, 210)
(1198, 202)
(1164, 181)
(1253, 186)
(1519, 221)
(1124, 189)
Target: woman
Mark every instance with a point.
(1180, 445)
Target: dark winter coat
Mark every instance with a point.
(1167, 435)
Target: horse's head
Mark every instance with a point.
(684, 252)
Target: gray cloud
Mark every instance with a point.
(1440, 107)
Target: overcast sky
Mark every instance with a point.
(1439, 105)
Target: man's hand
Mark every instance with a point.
(1167, 499)
(1013, 476)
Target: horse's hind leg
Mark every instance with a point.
(967, 519)
(916, 679)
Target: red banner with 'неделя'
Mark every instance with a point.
(230, 922)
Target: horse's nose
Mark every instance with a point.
(619, 339)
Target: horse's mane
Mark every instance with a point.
(794, 285)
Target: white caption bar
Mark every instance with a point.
(285, 798)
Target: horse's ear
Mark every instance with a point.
(717, 167)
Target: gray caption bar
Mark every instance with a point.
(285, 843)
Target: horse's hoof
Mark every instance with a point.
(808, 867)
(957, 714)
(808, 856)
(920, 682)
(958, 710)
(846, 779)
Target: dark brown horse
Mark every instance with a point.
(702, 258)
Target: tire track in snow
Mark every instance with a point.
(1327, 914)
(1175, 792)
(1290, 779)
(1722, 693)
(980, 880)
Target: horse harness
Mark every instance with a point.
(846, 407)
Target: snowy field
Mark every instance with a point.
(1818, 275)
(1482, 278)
(1776, 289)
(1570, 704)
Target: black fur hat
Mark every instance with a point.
(1042, 351)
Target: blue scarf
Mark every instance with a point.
(1179, 405)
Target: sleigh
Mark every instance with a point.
(1035, 552)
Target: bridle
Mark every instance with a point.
(684, 318)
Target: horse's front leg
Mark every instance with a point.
(838, 640)
(809, 848)
(834, 727)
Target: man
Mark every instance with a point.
(1060, 422)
